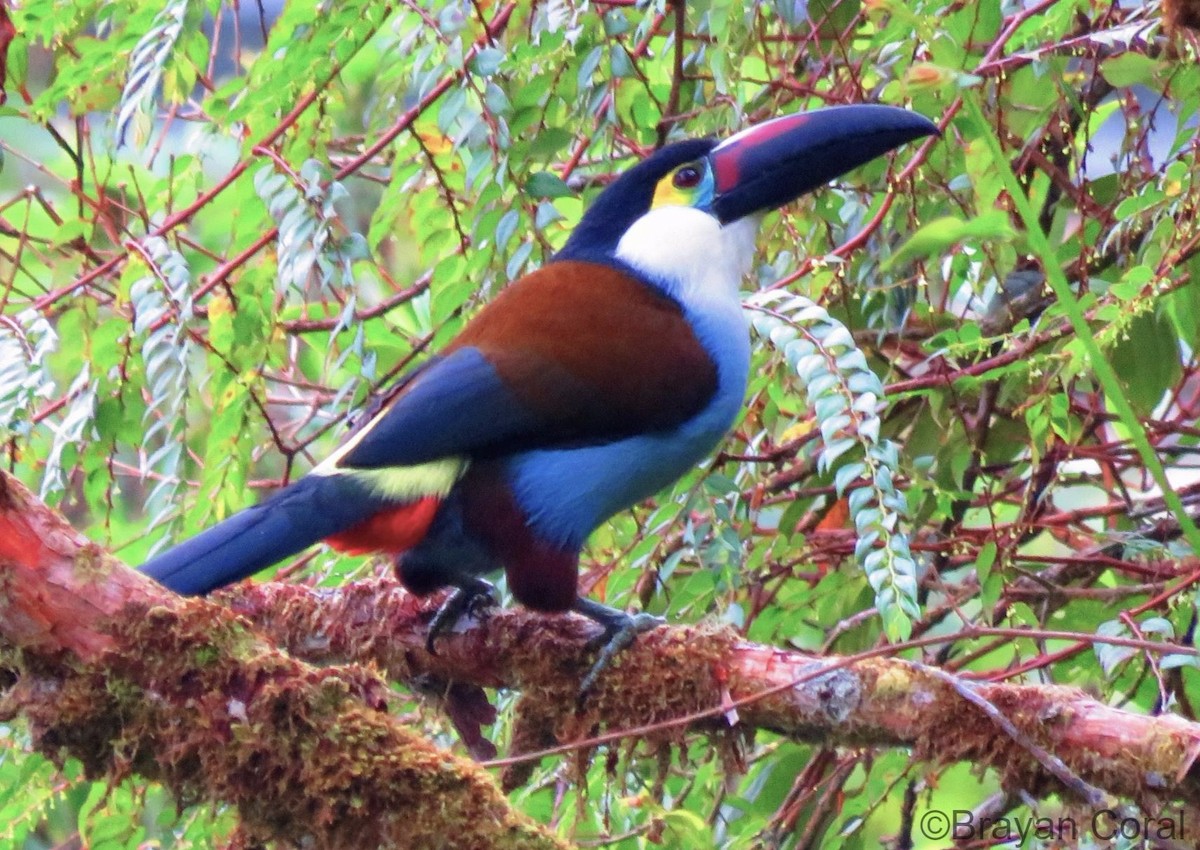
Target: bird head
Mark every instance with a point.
(757, 170)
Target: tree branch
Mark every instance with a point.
(185, 692)
(130, 678)
(697, 678)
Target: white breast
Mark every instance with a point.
(688, 252)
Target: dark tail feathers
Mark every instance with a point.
(292, 520)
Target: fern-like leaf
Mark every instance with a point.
(844, 395)
(146, 64)
(162, 307)
(26, 342)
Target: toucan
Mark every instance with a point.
(583, 388)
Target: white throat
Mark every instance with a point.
(697, 260)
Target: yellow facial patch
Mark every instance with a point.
(667, 194)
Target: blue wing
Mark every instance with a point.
(457, 405)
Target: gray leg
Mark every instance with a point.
(620, 630)
(470, 596)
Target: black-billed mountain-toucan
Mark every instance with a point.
(583, 388)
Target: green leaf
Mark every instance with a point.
(984, 561)
(1148, 361)
(937, 236)
(897, 625)
(543, 184)
(1130, 69)
(1175, 660)
(549, 142)
(687, 829)
(487, 61)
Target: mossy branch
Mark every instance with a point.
(697, 678)
(130, 678)
(137, 679)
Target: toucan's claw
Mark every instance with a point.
(619, 631)
(610, 643)
(469, 598)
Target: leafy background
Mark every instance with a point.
(223, 226)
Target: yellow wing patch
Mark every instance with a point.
(405, 483)
(402, 483)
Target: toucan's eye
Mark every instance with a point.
(687, 177)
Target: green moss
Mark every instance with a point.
(665, 675)
(307, 755)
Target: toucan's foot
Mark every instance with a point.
(471, 597)
(620, 630)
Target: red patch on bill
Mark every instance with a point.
(727, 155)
